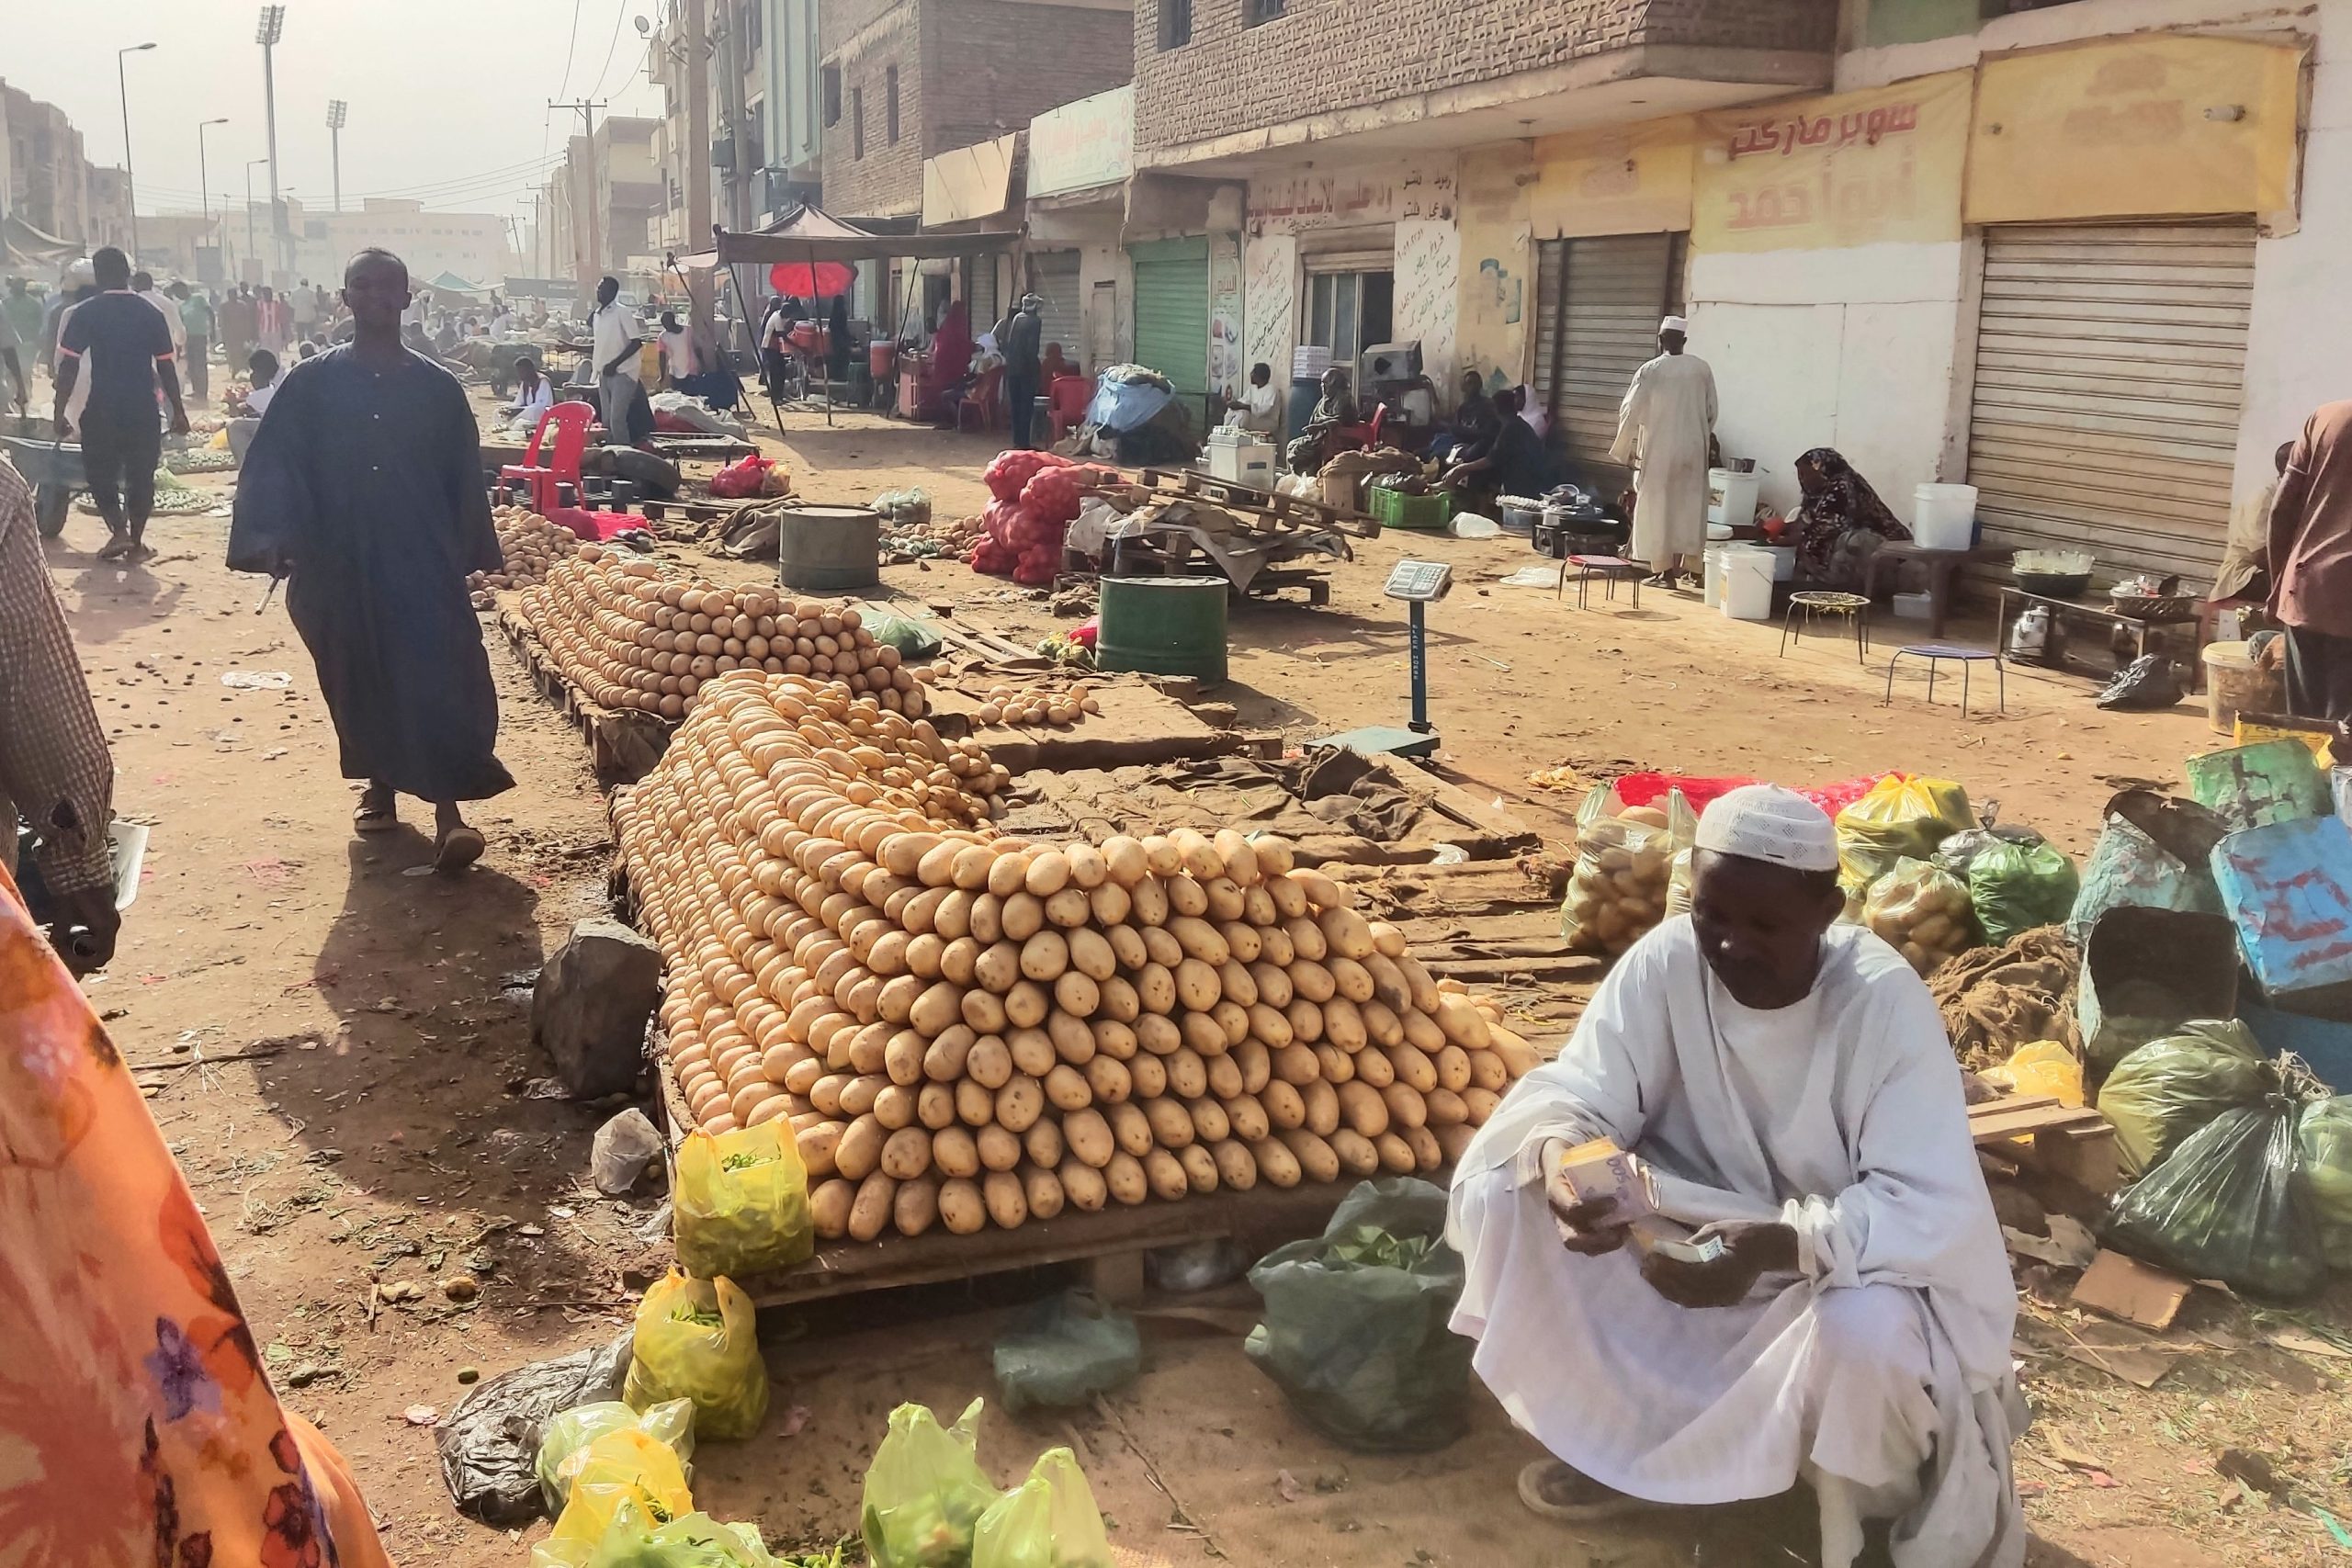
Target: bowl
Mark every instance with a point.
(2054, 584)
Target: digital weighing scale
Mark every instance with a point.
(1417, 583)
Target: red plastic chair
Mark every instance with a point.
(1067, 403)
(570, 422)
(981, 399)
(1372, 432)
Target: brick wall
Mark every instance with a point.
(865, 42)
(1333, 54)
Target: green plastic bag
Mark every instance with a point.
(1355, 1331)
(1900, 816)
(635, 1539)
(2228, 1204)
(2324, 1137)
(1049, 1521)
(2016, 887)
(2168, 1088)
(924, 1492)
(914, 639)
(1065, 1351)
(743, 1202)
(564, 1442)
(698, 1339)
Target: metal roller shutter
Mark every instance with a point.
(982, 304)
(1054, 274)
(1601, 300)
(1172, 314)
(2109, 368)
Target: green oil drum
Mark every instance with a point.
(828, 549)
(1163, 626)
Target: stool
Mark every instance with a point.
(1855, 607)
(1609, 569)
(1935, 653)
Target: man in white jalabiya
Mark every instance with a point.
(1664, 428)
(1787, 1083)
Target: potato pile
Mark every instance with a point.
(1923, 912)
(632, 637)
(966, 1029)
(1038, 704)
(529, 545)
(1618, 888)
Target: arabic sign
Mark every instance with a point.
(1320, 198)
(2149, 126)
(1818, 174)
(1089, 142)
(1627, 179)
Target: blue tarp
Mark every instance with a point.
(1123, 406)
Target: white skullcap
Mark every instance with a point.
(1777, 826)
(1675, 324)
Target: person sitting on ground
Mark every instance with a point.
(534, 396)
(1334, 413)
(1785, 1081)
(1511, 462)
(263, 368)
(1839, 521)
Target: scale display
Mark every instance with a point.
(1419, 582)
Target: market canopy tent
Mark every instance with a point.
(813, 236)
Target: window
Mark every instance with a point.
(1175, 23)
(857, 122)
(891, 102)
(1257, 11)
(829, 79)
(1347, 311)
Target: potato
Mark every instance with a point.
(999, 1150)
(1445, 1108)
(1205, 1032)
(971, 865)
(1428, 1152)
(916, 1207)
(1452, 1065)
(1130, 1128)
(1110, 903)
(1127, 947)
(1275, 1162)
(1310, 981)
(1022, 916)
(1199, 940)
(1171, 1124)
(1125, 859)
(1364, 1109)
(1033, 1051)
(1426, 995)
(953, 1151)
(1346, 933)
(902, 1057)
(1337, 1067)
(894, 1106)
(1113, 1038)
(1462, 1023)
(985, 1011)
(817, 1144)
(959, 960)
(989, 1062)
(1296, 1064)
(1088, 1136)
(1454, 1141)
(1489, 1071)
(1072, 1040)
(825, 1094)
(1019, 1103)
(1422, 1033)
(1043, 956)
(1108, 1079)
(829, 1208)
(1256, 1062)
(1076, 995)
(1088, 867)
(1350, 979)
(1481, 1104)
(999, 967)
(1407, 1108)
(954, 916)
(1289, 897)
(975, 1106)
(1149, 1076)
(1117, 999)
(1159, 947)
(1210, 1123)
(1042, 1191)
(961, 1208)
(987, 918)
(1322, 1102)
(1199, 1167)
(1396, 1156)
(1082, 1186)
(871, 1212)
(1356, 1153)
(1246, 1117)
(1068, 1088)
(1343, 1025)
(1241, 939)
(1284, 1106)
(1314, 1157)
(1166, 1175)
(859, 1149)
(1124, 1177)
(907, 1154)
(1198, 988)
(1088, 951)
(1416, 1068)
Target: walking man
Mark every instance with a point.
(1016, 339)
(2310, 566)
(237, 320)
(196, 335)
(615, 331)
(1664, 429)
(122, 443)
(364, 490)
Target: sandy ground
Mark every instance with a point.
(340, 1060)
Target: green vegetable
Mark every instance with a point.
(2325, 1140)
(2168, 1088)
(2228, 1204)
(2016, 887)
(743, 1202)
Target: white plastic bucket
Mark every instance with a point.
(1712, 590)
(1731, 497)
(1943, 516)
(1747, 584)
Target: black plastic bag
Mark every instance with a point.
(2229, 1204)
(2148, 682)
(1355, 1331)
(1066, 1350)
(489, 1443)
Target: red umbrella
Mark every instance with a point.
(807, 279)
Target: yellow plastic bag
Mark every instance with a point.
(567, 1437)
(627, 1468)
(924, 1492)
(1901, 816)
(1049, 1521)
(219, 441)
(2043, 1067)
(743, 1202)
(698, 1339)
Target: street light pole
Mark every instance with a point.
(250, 164)
(204, 182)
(339, 111)
(129, 187)
(271, 28)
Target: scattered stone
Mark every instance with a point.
(461, 1287)
(306, 1374)
(468, 1374)
(590, 1007)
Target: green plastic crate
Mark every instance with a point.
(1396, 508)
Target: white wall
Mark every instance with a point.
(1429, 294)
(1851, 348)
(1270, 301)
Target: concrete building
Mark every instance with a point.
(604, 205)
(723, 64)
(49, 179)
(109, 209)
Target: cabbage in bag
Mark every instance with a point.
(2228, 1204)
(2168, 1088)
(924, 1492)
(2016, 887)
(743, 1202)
(1049, 1521)
(2325, 1136)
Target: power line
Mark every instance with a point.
(619, 17)
(570, 42)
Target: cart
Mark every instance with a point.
(52, 468)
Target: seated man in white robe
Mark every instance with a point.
(1788, 1085)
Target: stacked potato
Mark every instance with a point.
(528, 545)
(1037, 706)
(632, 637)
(966, 1029)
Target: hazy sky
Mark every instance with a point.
(448, 98)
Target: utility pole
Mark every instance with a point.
(250, 162)
(272, 27)
(697, 125)
(339, 111)
(204, 190)
(585, 203)
(129, 185)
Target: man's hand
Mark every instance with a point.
(1581, 1225)
(91, 947)
(1749, 1252)
(64, 425)
(2273, 654)
(179, 422)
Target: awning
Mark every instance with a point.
(26, 246)
(812, 235)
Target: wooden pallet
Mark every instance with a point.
(2035, 1130)
(1281, 512)
(623, 745)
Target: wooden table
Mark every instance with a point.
(1942, 567)
(2014, 602)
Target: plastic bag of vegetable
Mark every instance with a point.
(2324, 1137)
(1922, 912)
(1900, 816)
(2168, 1088)
(2016, 887)
(622, 1468)
(742, 1202)
(1047, 1521)
(635, 1539)
(2039, 1068)
(1957, 854)
(563, 1444)
(1355, 1330)
(1065, 1351)
(2228, 1204)
(698, 1339)
(924, 1491)
(915, 640)
(1625, 859)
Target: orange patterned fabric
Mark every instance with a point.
(136, 1424)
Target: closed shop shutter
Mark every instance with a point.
(1054, 274)
(982, 303)
(1172, 314)
(2111, 361)
(1597, 314)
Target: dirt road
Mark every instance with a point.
(339, 1054)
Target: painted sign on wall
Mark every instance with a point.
(1496, 257)
(1089, 142)
(1226, 369)
(1267, 301)
(1429, 278)
(1628, 179)
(1851, 169)
(1332, 198)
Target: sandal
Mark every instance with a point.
(374, 815)
(457, 848)
(116, 546)
(1555, 1492)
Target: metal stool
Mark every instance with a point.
(1821, 601)
(1935, 653)
(1609, 569)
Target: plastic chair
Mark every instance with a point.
(981, 399)
(1067, 403)
(571, 423)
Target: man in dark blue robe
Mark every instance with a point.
(364, 490)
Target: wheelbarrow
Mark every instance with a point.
(52, 468)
